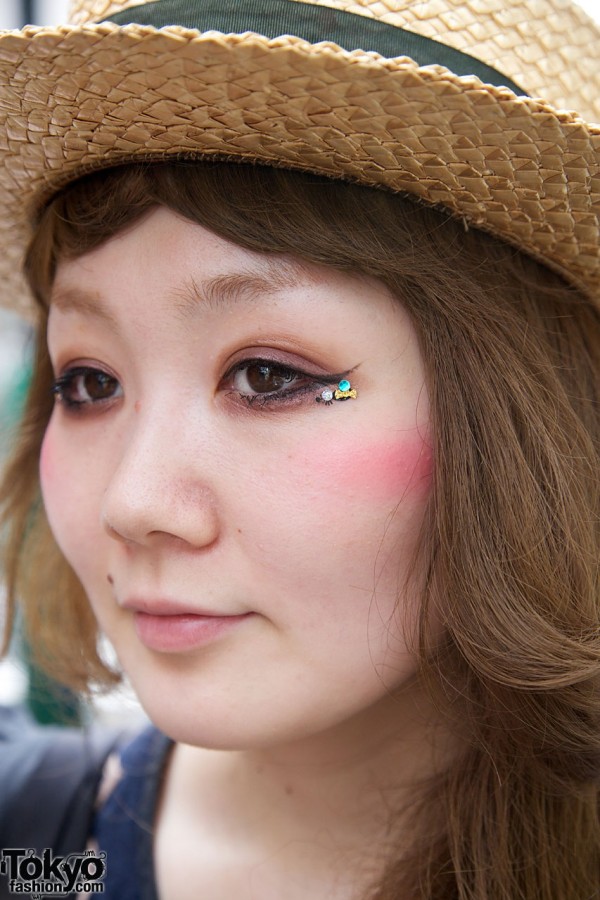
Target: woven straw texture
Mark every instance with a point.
(76, 98)
(524, 39)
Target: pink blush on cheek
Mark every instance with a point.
(46, 461)
(384, 469)
(54, 479)
(390, 470)
(68, 496)
(51, 477)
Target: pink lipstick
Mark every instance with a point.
(168, 628)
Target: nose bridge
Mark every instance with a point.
(161, 480)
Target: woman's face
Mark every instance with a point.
(244, 547)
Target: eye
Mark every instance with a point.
(260, 377)
(85, 387)
(266, 382)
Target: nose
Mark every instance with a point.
(161, 487)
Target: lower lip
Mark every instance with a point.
(172, 634)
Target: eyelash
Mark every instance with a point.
(288, 373)
(65, 382)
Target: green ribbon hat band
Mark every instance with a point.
(312, 23)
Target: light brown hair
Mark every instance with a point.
(511, 549)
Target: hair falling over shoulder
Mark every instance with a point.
(511, 543)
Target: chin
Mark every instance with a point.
(204, 718)
(210, 730)
(196, 712)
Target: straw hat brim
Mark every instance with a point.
(74, 99)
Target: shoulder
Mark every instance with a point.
(49, 778)
(133, 774)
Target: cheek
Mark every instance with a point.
(341, 509)
(50, 473)
(56, 491)
(382, 471)
(342, 527)
(67, 494)
(390, 471)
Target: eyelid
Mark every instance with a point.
(73, 370)
(83, 363)
(67, 376)
(302, 386)
(295, 368)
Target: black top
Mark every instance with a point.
(124, 825)
(49, 778)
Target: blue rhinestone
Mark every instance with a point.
(344, 385)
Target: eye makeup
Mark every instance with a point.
(262, 382)
(83, 387)
(267, 383)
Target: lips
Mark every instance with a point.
(170, 627)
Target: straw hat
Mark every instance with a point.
(421, 96)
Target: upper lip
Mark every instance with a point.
(161, 607)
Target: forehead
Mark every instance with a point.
(195, 269)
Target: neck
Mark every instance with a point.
(344, 788)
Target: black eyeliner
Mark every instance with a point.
(62, 382)
(291, 395)
(328, 378)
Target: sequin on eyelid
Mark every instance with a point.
(343, 392)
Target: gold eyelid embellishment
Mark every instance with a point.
(342, 392)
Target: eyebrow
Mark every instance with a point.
(214, 293)
(83, 301)
(240, 287)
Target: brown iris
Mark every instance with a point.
(90, 387)
(264, 379)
